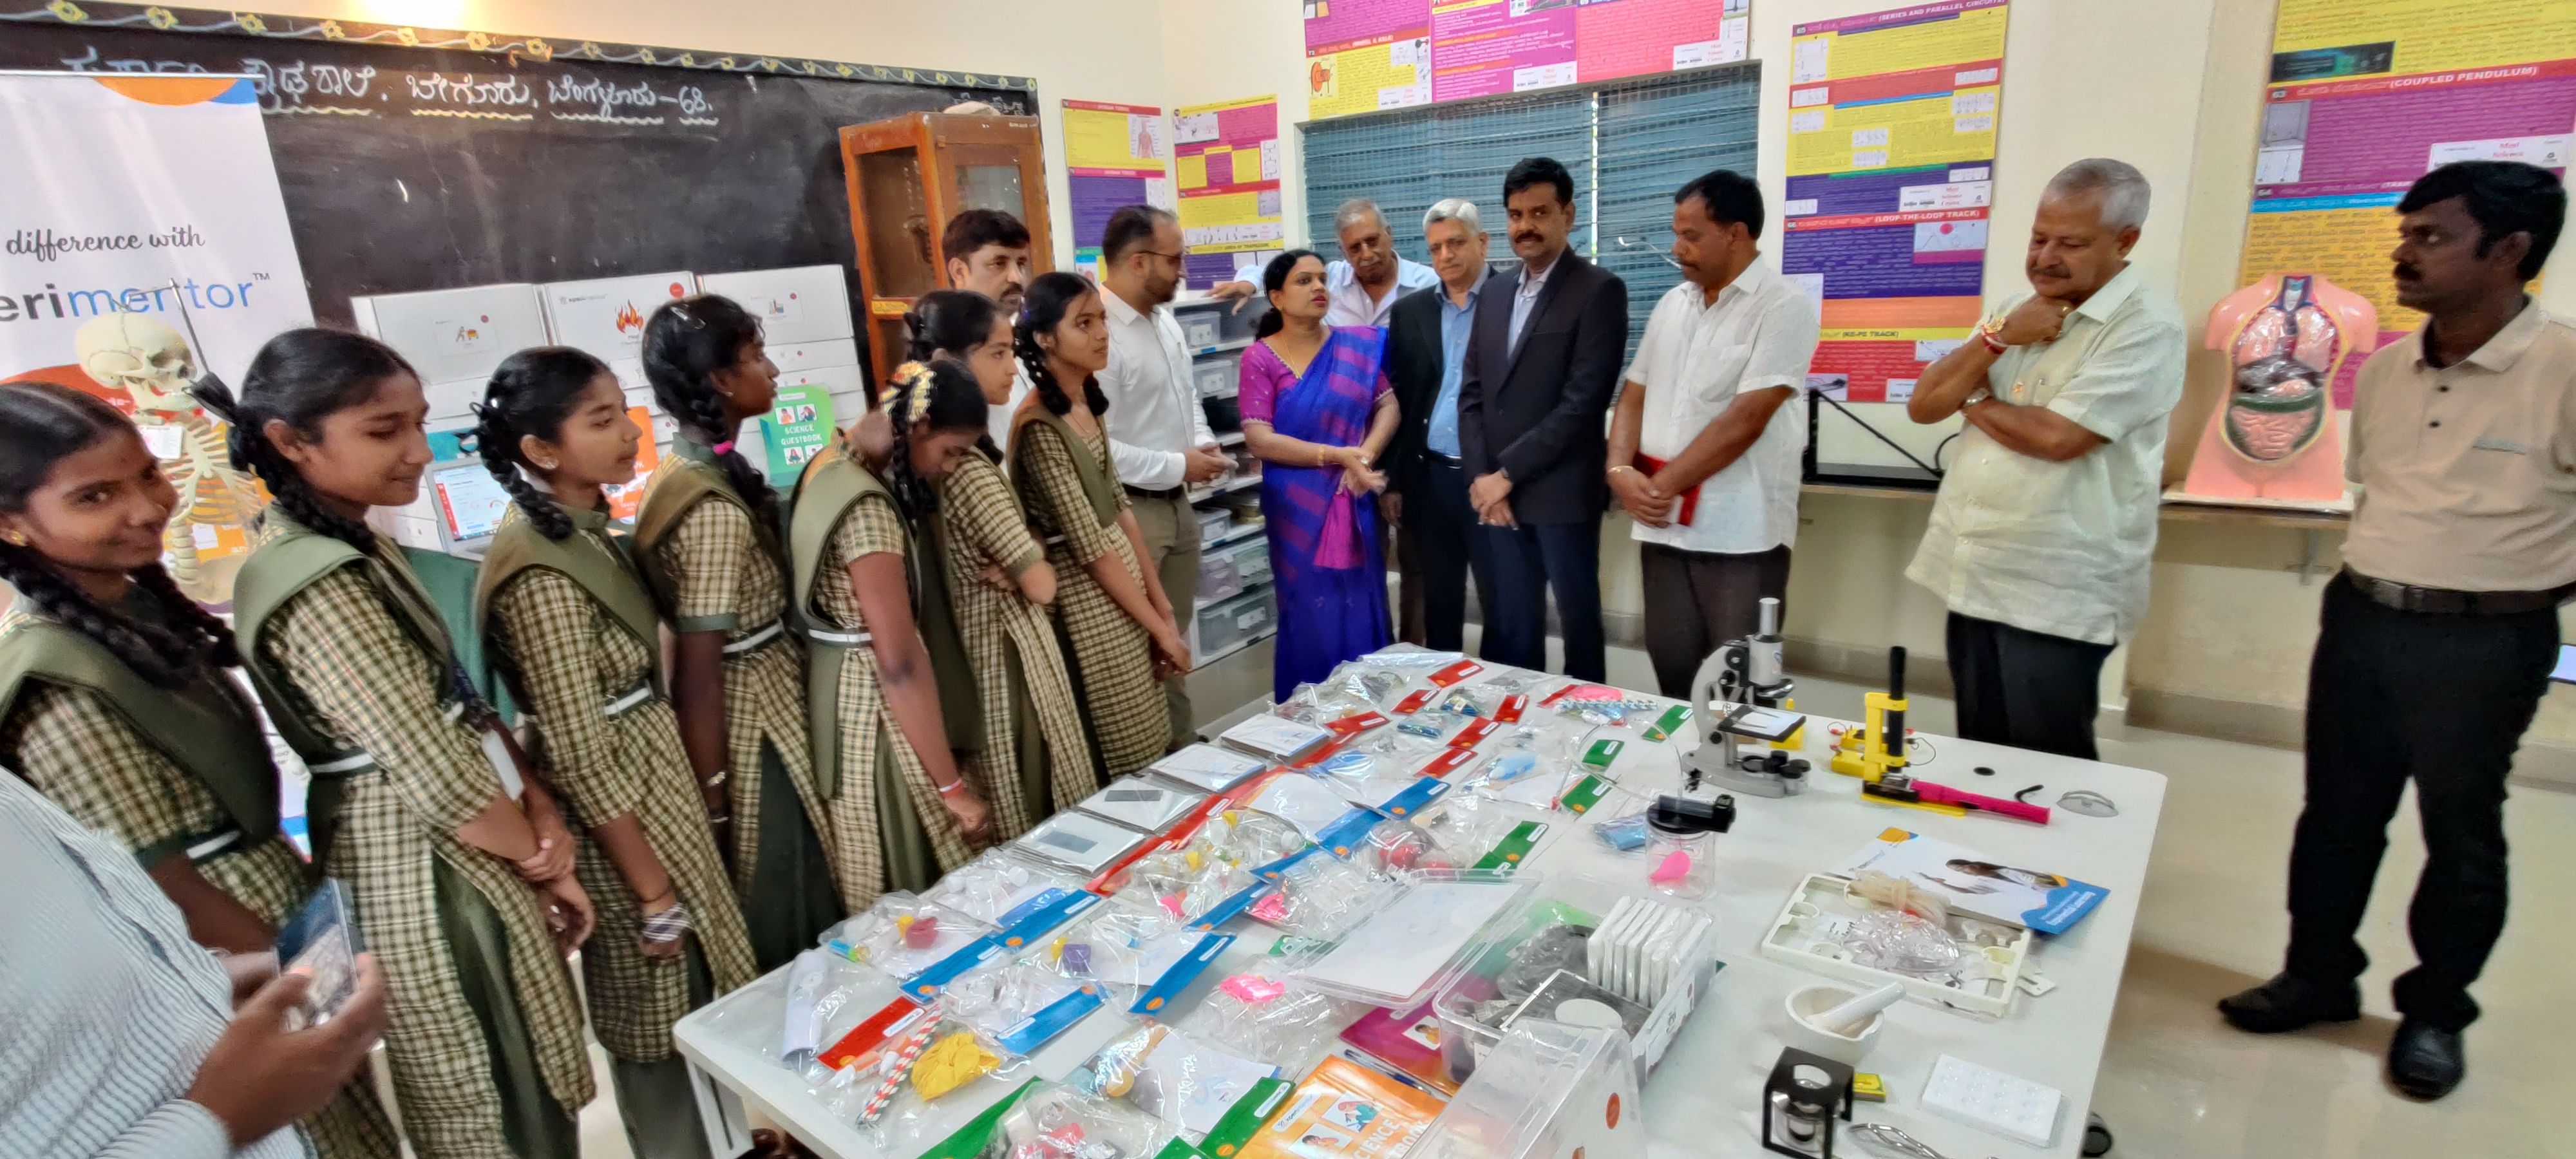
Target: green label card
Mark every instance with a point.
(1244, 1119)
(1603, 752)
(1669, 723)
(798, 424)
(1508, 855)
(1586, 793)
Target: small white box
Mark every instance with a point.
(795, 305)
(792, 357)
(454, 400)
(455, 335)
(606, 316)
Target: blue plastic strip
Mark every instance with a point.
(1031, 919)
(927, 984)
(1233, 907)
(1032, 1032)
(1182, 973)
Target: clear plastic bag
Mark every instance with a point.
(958, 1075)
(1462, 700)
(1903, 943)
(1251, 838)
(1365, 779)
(1321, 897)
(993, 885)
(1186, 1083)
(1184, 883)
(1259, 1013)
(903, 935)
(993, 1000)
(1366, 685)
(1055, 1121)
(1122, 945)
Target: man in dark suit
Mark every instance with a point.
(1428, 332)
(1541, 366)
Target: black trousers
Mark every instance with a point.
(2439, 700)
(1527, 564)
(1442, 526)
(1697, 600)
(2026, 689)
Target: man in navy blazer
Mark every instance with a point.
(1541, 368)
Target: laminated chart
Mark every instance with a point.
(2366, 96)
(1114, 155)
(1891, 175)
(1226, 170)
(1367, 55)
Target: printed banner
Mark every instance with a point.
(153, 250)
(1226, 170)
(1114, 156)
(798, 424)
(1367, 55)
(2368, 95)
(1891, 173)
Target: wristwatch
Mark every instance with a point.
(1992, 335)
(1981, 394)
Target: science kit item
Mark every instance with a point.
(1895, 788)
(1968, 962)
(1636, 955)
(1969, 882)
(905, 936)
(1140, 804)
(322, 939)
(1802, 1101)
(1208, 768)
(1062, 1121)
(1186, 1083)
(1019, 1005)
(1020, 898)
(1305, 802)
(1990, 1100)
(1342, 1108)
(1413, 942)
(1547, 1091)
(1276, 738)
(1080, 842)
(1837, 1022)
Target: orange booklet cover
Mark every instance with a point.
(1343, 1108)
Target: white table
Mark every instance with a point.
(1703, 1100)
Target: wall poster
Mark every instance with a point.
(1114, 155)
(2368, 95)
(1891, 172)
(1226, 170)
(1367, 55)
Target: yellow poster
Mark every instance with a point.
(2415, 36)
(1976, 34)
(1393, 74)
(1107, 136)
(1943, 129)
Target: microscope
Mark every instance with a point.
(1742, 693)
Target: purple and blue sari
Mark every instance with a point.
(1324, 555)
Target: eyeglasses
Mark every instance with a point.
(1175, 258)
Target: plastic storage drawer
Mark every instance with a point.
(1225, 626)
(1214, 523)
(1218, 579)
(1216, 377)
(1201, 328)
(1251, 560)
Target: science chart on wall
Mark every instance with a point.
(1891, 176)
(2365, 97)
(1114, 155)
(1367, 55)
(1226, 170)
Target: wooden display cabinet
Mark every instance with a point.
(907, 176)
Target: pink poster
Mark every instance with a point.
(1332, 22)
(1617, 38)
(1479, 48)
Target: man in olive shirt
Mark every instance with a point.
(2438, 638)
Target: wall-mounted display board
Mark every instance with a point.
(1228, 180)
(1367, 55)
(1891, 172)
(1114, 156)
(2366, 96)
(419, 159)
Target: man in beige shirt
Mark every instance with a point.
(2438, 638)
(2042, 533)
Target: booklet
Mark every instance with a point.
(2047, 903)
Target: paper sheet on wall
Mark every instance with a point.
(1367, 55)
(1891, 173)
(1227, 174)
(2368, 95)
(1114, 155)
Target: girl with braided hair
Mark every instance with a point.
(570, 627)
(115, 700)
(878, 609)
(1036, 757)
(1119, 629)
(707, 541)
(458, 864)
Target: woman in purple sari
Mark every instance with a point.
(1317, 412)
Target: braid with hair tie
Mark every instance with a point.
(249, 450)
(905, 400)
(686, 342)
(164, 658)
(503, 458)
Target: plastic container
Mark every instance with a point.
(1548, 1090)
(1251, 561)
(1228, 624)
(1490, 986)
(1797, 1031)
(1213, 523)
(1217, 578)
(1215, 377)
(1992, 959)
(1200, 328)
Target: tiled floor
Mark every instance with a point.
(2176, 1082)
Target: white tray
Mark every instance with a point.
(1992, 966)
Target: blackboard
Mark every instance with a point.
(413, 168)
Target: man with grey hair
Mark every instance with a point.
(1426, 493)
(1370, 277)
(2043, 531)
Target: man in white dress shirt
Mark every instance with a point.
(1363, 285)
(119, 1037)
(987, 251)
(1158, 432)
(2045, 526)
(1703, 453)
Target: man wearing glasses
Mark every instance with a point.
(1158, 434)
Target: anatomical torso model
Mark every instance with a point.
(152, 364)
(2274, 435)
